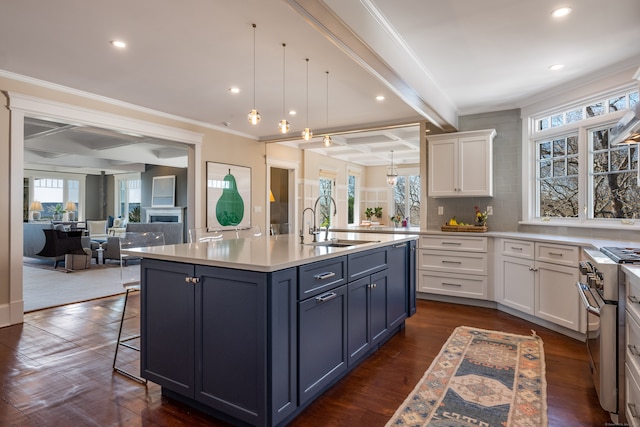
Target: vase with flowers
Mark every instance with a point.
(397, 219)
(481, 217)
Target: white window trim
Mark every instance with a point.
(529, 136)
(357, 173)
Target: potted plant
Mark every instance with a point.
(368, 213)
(377, 212)
(56, 212)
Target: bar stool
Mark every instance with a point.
(130, 279)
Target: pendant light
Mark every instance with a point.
(283, 125)
(392, 173)
(306, 133)
(326, 140)
(254, 116)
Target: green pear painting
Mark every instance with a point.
(230, 206)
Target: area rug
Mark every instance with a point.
(480, 378)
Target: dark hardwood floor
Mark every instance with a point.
(55, 370)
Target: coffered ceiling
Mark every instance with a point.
(431, 60)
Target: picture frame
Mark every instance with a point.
(163, 191)
(228, 196)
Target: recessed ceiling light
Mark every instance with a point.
(560, 12)
(380, 98)
(234, 89)
(556, 67)
(119, 44)
(292, 112)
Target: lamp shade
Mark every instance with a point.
(35, 206)
(70, 206)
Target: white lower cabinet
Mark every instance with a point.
(632, 350)
(453, 265)
(539, 279)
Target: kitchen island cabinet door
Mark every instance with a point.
(397, 291)
(167, 325)
(359, 336)
(379, 306)
(231, 334)
(322, 341)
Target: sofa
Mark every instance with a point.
(173, 234)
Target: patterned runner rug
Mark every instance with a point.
(480, 378)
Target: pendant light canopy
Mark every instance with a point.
(326, 140)
(392, 173)
(306, 133)
(283, 125)
(254, 116)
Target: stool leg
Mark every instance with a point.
(123, 342)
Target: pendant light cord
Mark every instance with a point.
(284, 66)
(307, 92)
(254, 66)
(327, 101)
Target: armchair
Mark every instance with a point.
(58, 244)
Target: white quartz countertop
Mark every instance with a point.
(264, 253)
(632, 270)
(539, 237)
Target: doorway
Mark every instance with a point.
(280, 208)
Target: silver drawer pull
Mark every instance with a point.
(632, 410)
(399, 245)
(556, 254)
(515, 248)
(326, 297)
(633, 299)
(634, 350)
(452, 243)
(458, 285)
(324, 275)
(444, 261)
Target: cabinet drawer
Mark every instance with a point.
(633, 296)
(632, 395)
(364, 263)
(519, 248)
(632, 333)
(449, 262)
(448, 243)
(321, 276)
(557, 254)
(459, 285)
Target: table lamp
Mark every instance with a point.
(70, 207)
(35, 209)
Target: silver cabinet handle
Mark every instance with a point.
(326, 297)
(458, 285)
(444, 261)
(325, 275)
(399, 245)
(582, 289)
(515, 248)
(452, 243)
(555, 254)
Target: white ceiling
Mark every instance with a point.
(431, 59)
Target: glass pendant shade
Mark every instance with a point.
(254, 117)
(327, 141)
(284, 126)
(392, 173)
(307, 134)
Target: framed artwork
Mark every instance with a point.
(228, 196)
(163, 191)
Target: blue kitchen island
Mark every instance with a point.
(252, 330)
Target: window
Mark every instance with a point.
(128, 196)
(325, 210)
(351, 199)
(406, 194)
(55, 191)
(579, 176)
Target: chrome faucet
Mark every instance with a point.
(311, 230)
(315, 207)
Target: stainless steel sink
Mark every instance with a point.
(341, 243)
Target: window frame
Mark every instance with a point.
(65, 176)
(406, 173)
(529, 161)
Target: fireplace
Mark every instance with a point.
(164, 214)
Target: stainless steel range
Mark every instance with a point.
(601, 288)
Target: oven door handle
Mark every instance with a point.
(582, 289)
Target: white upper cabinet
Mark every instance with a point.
(461, 164)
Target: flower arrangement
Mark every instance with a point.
(397, 218)
(481, 217)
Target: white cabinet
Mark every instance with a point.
(539, 279)
(632, 347)
(453, 265)
(461, 164)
